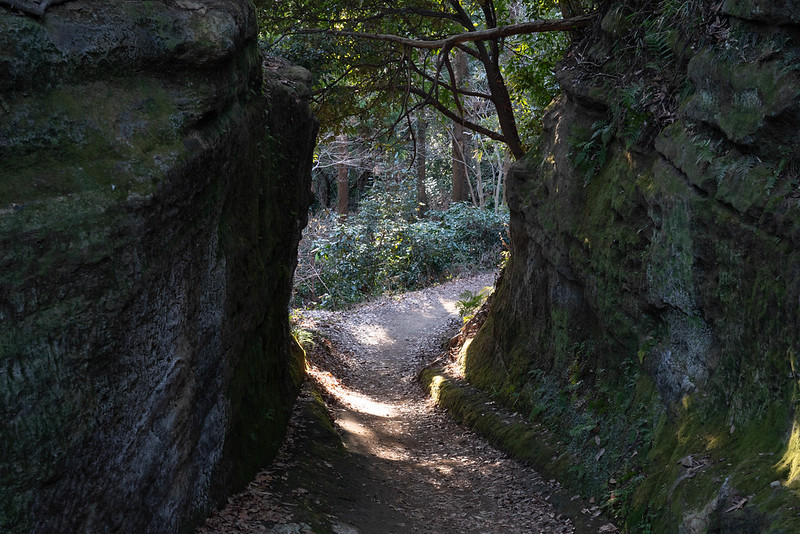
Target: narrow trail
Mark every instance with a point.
(407, 467)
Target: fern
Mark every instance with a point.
(658, 44)
(469, 302)
(736, 169)
(589, 156)
(631, 96)
(742, 167)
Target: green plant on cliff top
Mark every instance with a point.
(469, 302)
(303, 336)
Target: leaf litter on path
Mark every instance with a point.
(406, 466)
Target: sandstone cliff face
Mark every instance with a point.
(151, 201)
(650, 307)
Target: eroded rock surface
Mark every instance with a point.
(152, 192)
(650, 306)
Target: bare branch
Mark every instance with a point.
(474, 53)
(449, 87)
(463, 17)
(406, 114)
(450, 114)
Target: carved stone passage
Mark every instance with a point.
(151, 200)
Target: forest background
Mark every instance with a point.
(420, 122)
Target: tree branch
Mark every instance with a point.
(441, 108)
(449, 87)
(523, 28)
(467, 50)
(385, 13)
(463, 17)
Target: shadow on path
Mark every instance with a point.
(404, 466)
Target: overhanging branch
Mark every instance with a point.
(523, 28)
(449, 87)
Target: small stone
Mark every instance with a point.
(775, 484)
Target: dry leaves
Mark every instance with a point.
(417, 470)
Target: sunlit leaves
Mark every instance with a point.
(530, 64)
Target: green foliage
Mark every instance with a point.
(379, 79)
(384, 248)
(303, 336)
(529, 67)
(469, 302)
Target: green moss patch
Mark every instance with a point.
(115, 138)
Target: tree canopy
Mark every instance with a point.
(383, 61)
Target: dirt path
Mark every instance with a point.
(407, 467)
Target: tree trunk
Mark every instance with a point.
(342, 186)
(460, 188)
(501, 182)
(479, 184)
(505, 110)
(322, 186)
(422, 153)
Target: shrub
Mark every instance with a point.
(385, 249)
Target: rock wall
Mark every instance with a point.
(153, 187)
(648, 316)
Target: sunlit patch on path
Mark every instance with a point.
(373, 335)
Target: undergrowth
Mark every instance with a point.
(386, 248)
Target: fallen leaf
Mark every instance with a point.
(600, 454)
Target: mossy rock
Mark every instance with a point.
(744, 100)
(664, 287)
(146, 257)
(777, 12)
